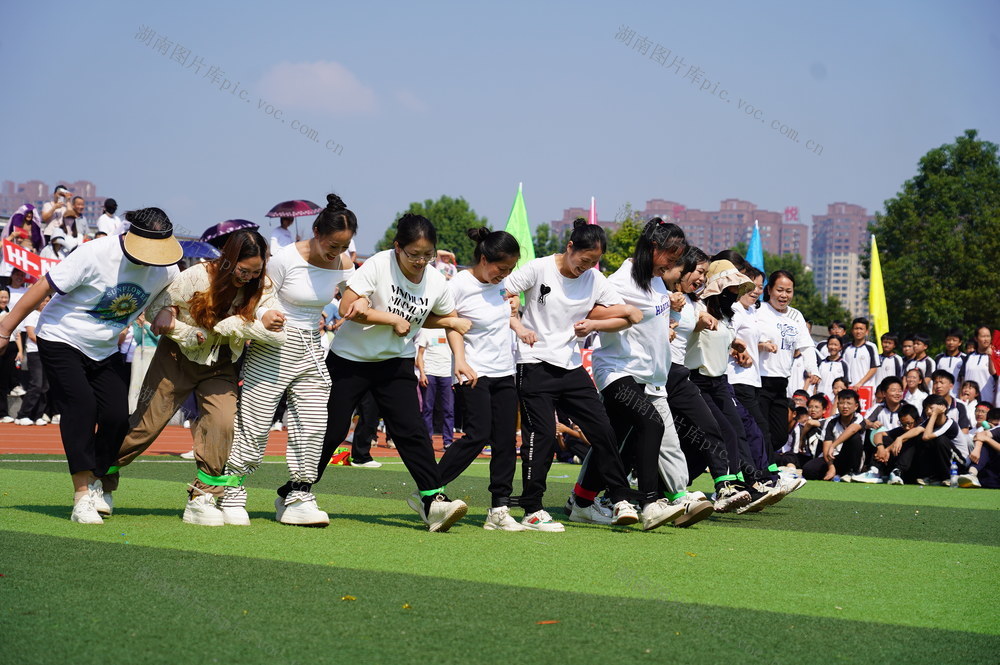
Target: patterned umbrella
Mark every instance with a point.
(296, 208)
(216, 235)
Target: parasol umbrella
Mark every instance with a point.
(296, 208)
(216, 235)
(195, 249)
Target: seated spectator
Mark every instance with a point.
(842, 442)
(985, 457)
(895, 448)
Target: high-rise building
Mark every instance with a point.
(14, 195)
(838, 239)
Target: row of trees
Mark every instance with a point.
(938, 241)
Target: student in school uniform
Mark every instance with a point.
(895, 448)
(890, 364)
(861, 356)
(914, 388)
(985, 458)
(433, 362)
(560, 291)
(952, 359)
(978, 365)
(920, 359)
(96, 292)
(842, 442)
(831, 368)
(882, 417)
(835, 328)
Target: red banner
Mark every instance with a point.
(995, 355)
(28, 262)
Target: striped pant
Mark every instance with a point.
(297, 367)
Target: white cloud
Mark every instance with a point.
(411, 101)
(316, 86)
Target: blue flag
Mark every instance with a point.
(755, 252)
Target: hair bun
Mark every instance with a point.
(335, 203)
(579, 223)
(478, 235)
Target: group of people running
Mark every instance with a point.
(690, 375)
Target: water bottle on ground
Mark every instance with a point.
(954, 474)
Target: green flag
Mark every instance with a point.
(517, 226)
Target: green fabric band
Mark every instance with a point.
(739, 476)
(220, 481)
(674, 495)
(439, 490)
(112, 469)
(773, 468)
(725, 479)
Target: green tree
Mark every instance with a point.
(808, 299)
(547, 242)
(621, 242)
(939, 240)
(451, 217)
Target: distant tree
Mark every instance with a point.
(451, 217)
(621, 242)
(939, 240)
(547, 242)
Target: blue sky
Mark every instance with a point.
(468, 99)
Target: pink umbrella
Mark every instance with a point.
(216, 235)
(296, 208)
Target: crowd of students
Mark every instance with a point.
(691, 373)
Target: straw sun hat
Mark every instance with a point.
(723, 274)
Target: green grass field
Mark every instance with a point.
(834, 573)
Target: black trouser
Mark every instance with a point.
(543, 387)
(748, 397)
(798, 459)
(33, 403)
(365, 430)
(716, 391)
(699, 431)
(490, 412)
(8, 374)
(922, 458)
(846, 462)
(394, 386)
(92, 398)
(773, 400)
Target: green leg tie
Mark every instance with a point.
(439, 490)
(739, 476)
(674, 495)
(220, 481)
(773, 468)
(725, 479)
(112, 469)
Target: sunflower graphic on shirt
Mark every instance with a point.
(119, 303)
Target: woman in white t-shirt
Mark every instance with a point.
(978, 366)
(204, 319)
(915, 388)
(391, 297)
(560, 292)
(490, 406)
(99, 290)
(304, 276)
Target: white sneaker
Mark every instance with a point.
(303, 513)
(84, 511)
(102, 501)
(6, 419)
(729, 499)
(694, 511)
(541, 521)
(187, 424)
(18, 391)
(46, 418)
(56, 418)
(592, 514)
(788, 483)
(25, 421)
(624, 514)
(895, 478)
(969, 480)
(660, 512)
(442, 513)
(499, 519)
(188, 455)
(41, 422)
(235, 516)
(870, 477)
(276, 427)
(202, 510)
(370, 464)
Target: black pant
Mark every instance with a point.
(846, 462)
(394, 386)
(920, 458)
(699, 431)
(490, 416)
(543, 387)
(773, 399)
(723, 405)
(92, 397)
(748, 397)
(8, 374)
(365, 430)
(33, 403)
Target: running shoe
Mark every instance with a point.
(102, 500)
(694, 510)
(592, 514)
(370, 464)
(624, 514)
(442, 513)
(203, 511)
(895, 477)
(84, 511)
(729, 498)
(541, 521)
(969, 480)
(303, 513)
(235, 515)
(870, 477)
(499, 519)
(662, 512)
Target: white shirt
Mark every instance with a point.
(281, 238)
(925, 365)
(952, 365)
(881, 414)
(686, 320)
(487, 344)
(55, 220)
(638, 351)
(302, 289)
(829, 371)
(30, 321)
(977, 368)
(708, 350)
(99, 292)
(553, 303)
(437, 353)
(384, 284)
(15, 295)
(889, 366)
(747, 329)
(789, 332)
(859, 360)
(109, 224)
(916, 398)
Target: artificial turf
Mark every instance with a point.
(834, 573)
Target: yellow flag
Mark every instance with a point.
(876, 297)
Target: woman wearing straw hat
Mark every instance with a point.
(96, 292)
